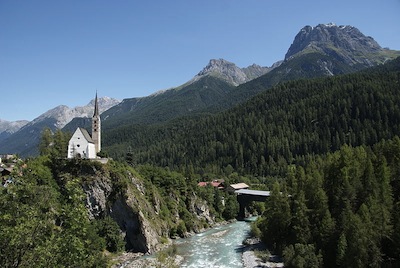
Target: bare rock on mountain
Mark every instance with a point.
(7, 128)
(64, 114)
(345, 43)
(231, 73)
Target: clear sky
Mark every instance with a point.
(60, 52)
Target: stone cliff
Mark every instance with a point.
(137, 214)
(128, 208)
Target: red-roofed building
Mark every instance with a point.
(215, 183)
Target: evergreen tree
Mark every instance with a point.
(277, 219)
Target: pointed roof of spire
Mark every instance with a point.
(96, 107)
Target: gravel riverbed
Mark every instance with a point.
(250, 258)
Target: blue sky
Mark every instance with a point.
(60, 52)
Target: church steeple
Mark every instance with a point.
(96, 107)
(96, 126)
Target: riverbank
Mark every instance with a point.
(251, 259)
(136, 260)
(225, 245)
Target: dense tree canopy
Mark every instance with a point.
(343, 214)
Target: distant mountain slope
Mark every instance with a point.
(203, 91)
(24, 142)
(7, 128)
(167, 105)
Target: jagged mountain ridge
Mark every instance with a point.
(64, 114)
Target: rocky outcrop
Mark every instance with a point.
(253, 71)
(139, 234)
(97, 194)
(200, 208)
(129, 209)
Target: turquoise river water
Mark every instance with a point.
(218, 247)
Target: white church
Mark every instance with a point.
(81, 144)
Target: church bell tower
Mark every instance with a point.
(96, 127)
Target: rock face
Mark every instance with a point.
(127, 209)
(139, 234)
(137, 215)
(97, 194)
(345, 43)
(200, 208)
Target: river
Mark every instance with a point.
(218, 247)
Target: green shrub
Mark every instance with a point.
(109, 230)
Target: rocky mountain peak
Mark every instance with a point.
(231, 73)
(342, 41)
(64, 114)
(224, 69)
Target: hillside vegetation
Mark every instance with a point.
(80, 213)
(343, 210)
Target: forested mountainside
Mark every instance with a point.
(286, 122)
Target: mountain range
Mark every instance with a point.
(8, 128)
(24, 140)
(323, 50)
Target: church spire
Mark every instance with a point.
(96, 126)
(96, 107)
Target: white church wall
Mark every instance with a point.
(79, 145)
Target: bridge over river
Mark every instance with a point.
(245, 196)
